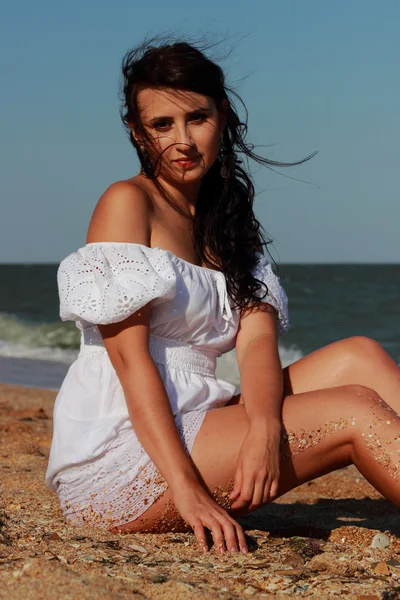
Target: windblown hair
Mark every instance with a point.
(224, 224)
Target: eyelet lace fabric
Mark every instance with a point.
(276, 296)
(97, 465)
(122, 483)
(106, 283)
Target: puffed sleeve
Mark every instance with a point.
(276, 294)
(106, 282)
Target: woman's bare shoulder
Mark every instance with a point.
(122, 214)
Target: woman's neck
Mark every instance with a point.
(185, 196)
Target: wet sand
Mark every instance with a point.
(315, 542)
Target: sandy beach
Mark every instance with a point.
(316, 542)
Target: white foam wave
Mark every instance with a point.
(55, 335)
(15, 350)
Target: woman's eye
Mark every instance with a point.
(198, 117)
(162, 125)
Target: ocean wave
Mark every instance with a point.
(59, 342)
(52, 354)
(46, 367)
(15, 332)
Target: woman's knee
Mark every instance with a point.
(355, 401)
(361, 349)
(366, 408)
(361, 391)
(360, 397)
(370, 420)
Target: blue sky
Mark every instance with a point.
(314, 75)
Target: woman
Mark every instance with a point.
(146, 438)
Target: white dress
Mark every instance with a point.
(97, 465)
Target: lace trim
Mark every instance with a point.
(121, 484)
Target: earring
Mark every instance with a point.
(223, 159)
(146, 166)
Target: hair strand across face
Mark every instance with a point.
(225, 228)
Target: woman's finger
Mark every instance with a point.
(238, 533)
(241, 537)
(217, 534)
(246, 494)
(237, 484)
(274, 488)
(266, 494)
(229, 534)
(267, 490)
(200, 534)
(258, 494)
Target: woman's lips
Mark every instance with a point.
(186, 163)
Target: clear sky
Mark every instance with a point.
(315, 75)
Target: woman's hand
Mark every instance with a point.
(257, 471)
(199, 510)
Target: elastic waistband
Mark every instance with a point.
(165, 351)
(179, 355)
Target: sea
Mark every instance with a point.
(326, 303)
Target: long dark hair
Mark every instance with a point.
(224, 224)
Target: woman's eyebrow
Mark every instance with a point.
(191, 112)
(199, 109)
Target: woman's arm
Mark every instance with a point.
(147, 401)
(261, 382)
(123, 214)
(261, 376)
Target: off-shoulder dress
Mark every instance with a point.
(97, 466)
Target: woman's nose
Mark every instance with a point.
(183, 137)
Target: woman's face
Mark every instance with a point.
(184, 129)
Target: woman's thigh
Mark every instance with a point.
(317, 439)
(351, 361)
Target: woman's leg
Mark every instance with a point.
(356, 360)
(324, 430)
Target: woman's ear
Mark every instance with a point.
(133, 134)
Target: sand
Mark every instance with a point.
(315, 542)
